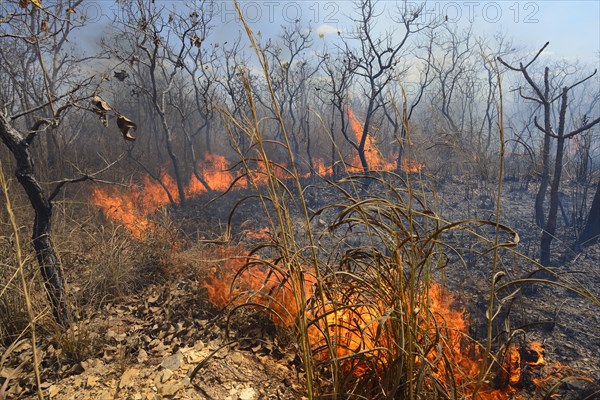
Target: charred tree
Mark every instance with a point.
(20, 147)
(550, 224)
(377, 62)
(591, 231)
(542, 97)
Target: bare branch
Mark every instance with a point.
(84, 177)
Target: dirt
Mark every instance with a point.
(160, 344)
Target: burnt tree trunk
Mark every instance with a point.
(19, 146)
(550, 228)
(545, 178)
(591, 231)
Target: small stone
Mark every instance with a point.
(248, 394)
(172, 362)
(142, 356)
(166, 375)
(170, 389)
(237, 357)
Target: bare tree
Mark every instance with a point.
(160, 47)
(21, 123)
(377, 61)
(561, 134)
(293, 72)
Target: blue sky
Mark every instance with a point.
(572, 27)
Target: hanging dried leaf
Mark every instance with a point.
(44, 26)
(101, 108)
(70, 10)
(23, 3)
(37, 3)
(196, 41)
(127, 127)
(121, 75)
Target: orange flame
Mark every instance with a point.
(375, 160)
(132, 207)
(411, 167)
(239, 279)
(350, 326)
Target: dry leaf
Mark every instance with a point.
(121, 75)
(70, 10)
(127, 127)
(101, 108)
(44, 26)
(37, 3)
(23, 3)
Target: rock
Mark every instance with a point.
(127, 377)
(248, 394)
(142, 356)
(172, 362)
(236, 357)
(169, 389)
(92, 381)
(165, 375)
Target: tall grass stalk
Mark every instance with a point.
(19, 260)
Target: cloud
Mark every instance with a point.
(326, 29)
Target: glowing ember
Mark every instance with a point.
(535, 354)
(259, 234)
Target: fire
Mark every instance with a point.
(349, 325)
(535, 354)
(239, 279)
(215, 171)
(374, 158)
(133, 206)
(411, 167)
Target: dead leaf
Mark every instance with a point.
(23, 3)
(70, 11)
(44, 26)
(37, 3)
(101, 108)
(121, 75)
(196, 41)
(127, 127)
(53, 391)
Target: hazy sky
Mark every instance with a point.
(572, 27)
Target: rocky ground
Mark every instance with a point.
(161, 344)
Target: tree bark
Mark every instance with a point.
(591, 231)
(47, 259)
(545, 179)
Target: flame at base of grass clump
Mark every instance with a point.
(361, 335)
(236, 278)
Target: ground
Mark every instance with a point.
(168, 342)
